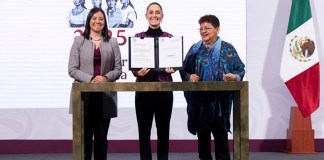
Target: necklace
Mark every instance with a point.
(96, 39)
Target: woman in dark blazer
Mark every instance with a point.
(153, 104)
(95, 58)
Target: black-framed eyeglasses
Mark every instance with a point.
(204, 28)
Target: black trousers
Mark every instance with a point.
(95, 129)
(219, 131)
(149, 105)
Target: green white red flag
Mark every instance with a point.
(300, 68)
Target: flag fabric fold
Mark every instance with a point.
(300, 69)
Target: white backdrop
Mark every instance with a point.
(40, 67)
(35, 42)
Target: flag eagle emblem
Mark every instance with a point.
(302, 48)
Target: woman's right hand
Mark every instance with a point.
(99, 79)
(142, 72)
(194, 78)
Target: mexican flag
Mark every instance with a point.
(300, 68)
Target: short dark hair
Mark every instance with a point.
(212, 19)
(87, 29)
(154, 3)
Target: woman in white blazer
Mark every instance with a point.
(95, 58)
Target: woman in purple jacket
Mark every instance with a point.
(153, 104)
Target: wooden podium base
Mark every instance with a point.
(300, 135)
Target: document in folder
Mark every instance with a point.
(155, 53)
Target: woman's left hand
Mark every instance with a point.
(229, 77)
(99, 79)
(169, 70)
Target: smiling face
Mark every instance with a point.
(208, 33)
(154, 16)
(111, 3)
(77, 2)
(97, 22)
(96, 3)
